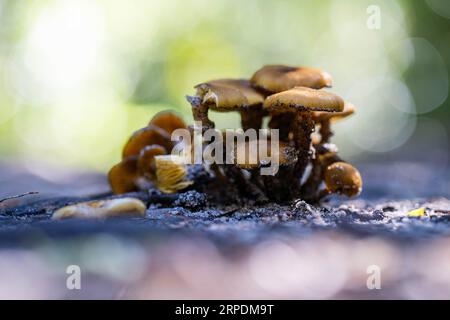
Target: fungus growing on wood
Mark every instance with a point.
(138, 167)
(293, 98)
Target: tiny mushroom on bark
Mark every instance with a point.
(302, 102)
(228, 95)
(342, 178)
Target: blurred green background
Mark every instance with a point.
(77, 77)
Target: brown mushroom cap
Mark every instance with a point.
(278, 78)
(229, 94)
(168, 121)
(145, 137)
(349, 109)
(286, 155)
(343, 178)
(123, 175)
(303, 99)
(146, 160)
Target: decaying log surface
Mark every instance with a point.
(209, 249)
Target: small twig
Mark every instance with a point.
(228, 212)
(18, 196)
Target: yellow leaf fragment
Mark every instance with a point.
(416, 213)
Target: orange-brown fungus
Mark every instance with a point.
(294, 100)
(168, 121)
(139, 152)
(278, 78)
(122, 177)
(144, 137)
(146, 160)
(343, 178)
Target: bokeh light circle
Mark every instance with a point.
(383, 121)
(429, 77)
(441, 7)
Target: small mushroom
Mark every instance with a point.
(171, 174)
(342, 178)
(228, 95)
(102, 209)
(168, 121)
(325, 155)
(278, 78)
(123, 176)
(137, 168)
(146, 160)
(302, 102)
(324, 119)
(145, 137)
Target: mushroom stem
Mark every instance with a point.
(214, 167)
(325, 131)
(322, 160)
(314, 180)
(277, 187)
(200, 112)
(252, 118)
(282, 122)
(303, 127)
(246, 187)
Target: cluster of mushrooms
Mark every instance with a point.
(296, 104)
(146, 159)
